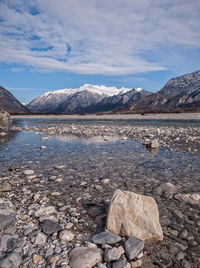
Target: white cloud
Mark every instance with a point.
(95, 37)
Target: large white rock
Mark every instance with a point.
(85, 257)
(132, 214)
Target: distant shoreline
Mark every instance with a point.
(165, 116)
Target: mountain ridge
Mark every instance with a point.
(10, 104)
(180, 93)
(78, 100)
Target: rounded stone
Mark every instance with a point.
(40, 239)
(66, 236)
(28, 172)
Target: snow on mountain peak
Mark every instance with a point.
(98, 89)
(138, 89)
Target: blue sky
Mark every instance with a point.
(48, 45)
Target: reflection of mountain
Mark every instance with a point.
(86, 140)
(7, 135)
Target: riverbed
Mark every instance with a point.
(84, 160)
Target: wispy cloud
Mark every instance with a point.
(96, 37)
(17, 69)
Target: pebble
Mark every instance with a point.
(55, 194)
(106, 238)
(40, 239)
(11, 261)
(49, 252)
(50, 227)
(121, 264)
(81, 257)
(43, 147)
(26, 197)
(6, 221)
(4, 240)
(136, 264)
(180, 256)
(36, 258)
(60, 167)
(5, 188)
(113, 253)
(44, 211)
(133, 246)
(66, 236)
(44, 138)
(28, 172)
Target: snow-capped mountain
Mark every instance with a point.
(116, 101)
(73, 100)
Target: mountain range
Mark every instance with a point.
(178, 94)
(86, 99)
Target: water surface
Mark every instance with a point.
(94, 157)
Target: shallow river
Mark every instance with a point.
(96, 157)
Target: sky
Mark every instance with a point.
(47, 45)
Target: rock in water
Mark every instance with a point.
(154, 144)
(133, 214)
(85, 257)
(4, 116)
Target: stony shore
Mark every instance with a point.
(164, 116)
(78, 211)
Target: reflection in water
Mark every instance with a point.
(83, 139)
(152, 151)
(99, 156)
(7, 136)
